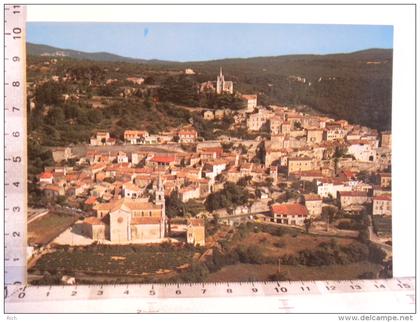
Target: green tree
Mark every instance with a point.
(232, 195)
(308, 223)
(94, 116)
(179, 90)
(376, 254)
(364, 235)
(245, 181)
(174, 206)
(55, 117)
(328, 214)
(49, 93)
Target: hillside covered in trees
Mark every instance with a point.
(355, 86)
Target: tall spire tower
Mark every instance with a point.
(160, 192)
(220, 82)
(160, 200)
(223, 86)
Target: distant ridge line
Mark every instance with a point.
(47, 50)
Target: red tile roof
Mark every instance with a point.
(196, 222)
(46, 175)
(93, 221)
(90, 200)
(385, 174)
(145, 220)
(349, 174)
(163, 158)
(143, 170)
(310, 173)
(249, 97)
(290, 209)
(353, 193)
(52, 187)
(312, 197)
(216, 150)
(383, 197)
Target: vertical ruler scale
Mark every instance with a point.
(15, 163)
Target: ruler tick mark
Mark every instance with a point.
(13, 46)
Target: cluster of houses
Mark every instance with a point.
(331, 153)
(137, 137)
(125, 189)
(125, 201)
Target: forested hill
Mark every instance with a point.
(355, 86)
(49, 51)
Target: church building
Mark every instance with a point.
(223, 86)
(128, 220)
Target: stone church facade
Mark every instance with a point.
(129, 220)
(221, 86)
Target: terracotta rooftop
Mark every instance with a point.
(90, 200)
(46, 175)
(310, 173)
(196, 222)
(383, 197)
(52, 187)
(145, 220)
(353, 194)
(188, 188)
(163, 158)
(249, 96)
(312, 197)
(93, 221)
(290, 209)
(385, 174)
(130, 186)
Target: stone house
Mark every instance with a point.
(382, 205)
(289, 214)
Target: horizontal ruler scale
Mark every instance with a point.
(25, 299)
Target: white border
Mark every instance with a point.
(403, 123)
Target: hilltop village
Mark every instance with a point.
(287, 168)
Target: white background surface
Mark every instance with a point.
(403, 122)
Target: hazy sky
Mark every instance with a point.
(205, 41)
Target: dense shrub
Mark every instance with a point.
(376, 254)
(329, 254)
(271, 229)
(231, 195)
(279, 244)
(279, 276)
(367, 275)
(349, 225)
(251, 254)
